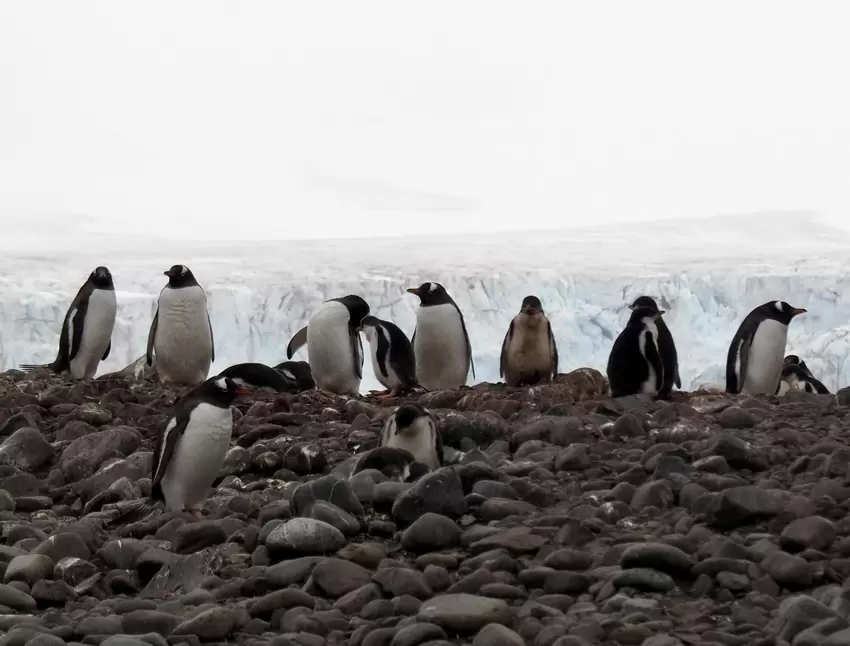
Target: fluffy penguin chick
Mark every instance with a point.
(756, 355)
(666, 347)
(86, 336)
(181, 333)
(414, 429)
(192, 447)
(529, 352)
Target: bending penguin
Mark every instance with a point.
(191, 449)
(755, 359)
(86, 336)
(414, 429)
(440, 342)
(181, 335)
(529, 352)
(634, 365)
(666, 347)
(299, 372)
(392, 356)
(797, 376)
(259, 375)
(334, 346)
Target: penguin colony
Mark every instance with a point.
(191, 448)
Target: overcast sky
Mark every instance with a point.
(308, 119)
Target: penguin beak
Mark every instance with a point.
(632, 306)
(413, 290)
(659, 313)
(797, 310)
(243, 391)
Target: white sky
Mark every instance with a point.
(308, 119)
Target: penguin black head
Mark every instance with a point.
(221, 390)
(792, 360)
(431, 294)
(101, 278)
(356, 306)
(644, 301)
(406, 414)
(781, 311)
(299, 372)
(180, 276)
(643, 315)
(531, 305)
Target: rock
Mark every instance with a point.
(305, 536)
(438, 492)
(736, 417)
(430, 532)
(26, 449)
(659, 556)
(464, 613)
(336, 577)
(815, 532)
(211, 625)
(739, 505)
(497, 635)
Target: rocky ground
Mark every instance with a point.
(566, 519)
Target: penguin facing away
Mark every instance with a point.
(440, 341)
(755, 358)
(191, 449)
(412, 428)
(334, 346)
(634, 365)
(298, 372)
(797, 376)
(258, 375)
(392, 356)
(529, 352)
(393, 462)
(86, 337)
(666, 347)
(181, 334)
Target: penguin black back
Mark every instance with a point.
(666, 347)
(634, 357)
(258, 375)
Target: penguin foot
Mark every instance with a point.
(196, 513)
(380, 393)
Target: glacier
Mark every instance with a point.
(706, 273)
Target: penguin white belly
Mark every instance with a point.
(649, 387)
(183, 345)
(329, 350)
(440, 348)
(764, 361)
(528, 351)
(390, 380)
(198, 457)
(97, 332)
(420, 445)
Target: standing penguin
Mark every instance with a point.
(392, 356)
(181, 334)
(86, 336)
(634, 365)
(412, 428)
(334, 346)
(440, 341)
(797, 376)
(666, 348)
(755, 358)
(192, 447)
(529, 352)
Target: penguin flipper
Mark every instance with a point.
(503, 357)
(356, 352)
(744, 354)
(106, 352)
(677, 379)
(77, 321)
(166, 443)
(466, 337)
(152, 336)
(438, 440)
(298, 341)
(819, 387)
(212, 338)
(553, 349)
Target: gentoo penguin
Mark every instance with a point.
(529, 352)
(191, 449)
(440, 341)
(258, 375)
(755, 358)
(634, 365)
(393, 462)
(392, 356)
(181, 334)
(86, 337)
(666, 347)
(334, 346)
(797, 376)
(299, 372)
(414, 429)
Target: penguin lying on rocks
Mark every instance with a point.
(412, 428)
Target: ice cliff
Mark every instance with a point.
(707, 274)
